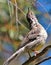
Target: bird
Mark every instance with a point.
(34, 40)
(37, 31)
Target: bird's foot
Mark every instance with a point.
(36, 52)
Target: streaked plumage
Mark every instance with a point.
(36, 31)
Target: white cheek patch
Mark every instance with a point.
(33, 20)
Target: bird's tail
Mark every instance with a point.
(13, 56)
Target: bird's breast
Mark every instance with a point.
(43, 33)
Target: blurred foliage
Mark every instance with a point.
(8, 23)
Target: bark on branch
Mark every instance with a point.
(45, 49)
(44, 59)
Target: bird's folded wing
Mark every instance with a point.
(31, 36)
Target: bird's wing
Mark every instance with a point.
(31, 36)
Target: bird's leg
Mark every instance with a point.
(35, 52)
(29, 54)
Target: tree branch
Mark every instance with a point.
(44, 50)
(44, 59)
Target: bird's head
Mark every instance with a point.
(31, 16)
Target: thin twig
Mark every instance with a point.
(23, 25)
(10, 12)
(18, 8)
(9, 9)
(22, 12)
(16, 15)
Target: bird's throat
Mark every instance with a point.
(32, 25)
